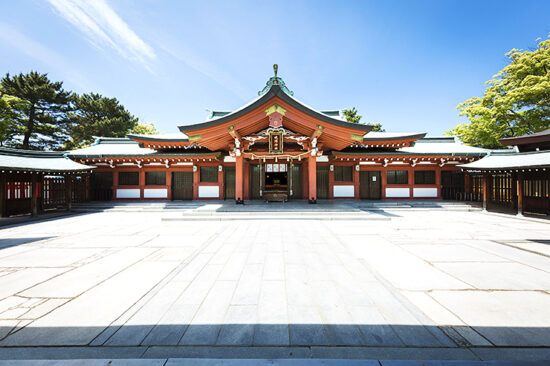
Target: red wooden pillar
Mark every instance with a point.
(356, 181)
(331, 181)
(410, 173)
(221, 182)
(34, 195)
(485, 190)
(87, 186)
(312, 178)
(438, 181)
(520, 193)
(68, 190)
(383, 182)
(141, 183)
(239, 175)
(169, 185)
(115, 184)
(3, 196)
(196, 179)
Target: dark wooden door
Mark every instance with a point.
(256, 181)
(322, 182)
(370, 186)
(229, 182)
(102, 186)
(296, 179)
(452, 184)
(182, 185)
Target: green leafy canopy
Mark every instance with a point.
(516, 101)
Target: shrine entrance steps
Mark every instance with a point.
(260, 210)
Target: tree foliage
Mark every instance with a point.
(96, 115)
(377, 127)
(42, 122)
(516, 101)
(10, 108)
(144, 129)
(352, 116)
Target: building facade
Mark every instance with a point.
(276, 148)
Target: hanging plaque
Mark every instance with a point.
(275, 142)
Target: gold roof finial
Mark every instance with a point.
(275, 68)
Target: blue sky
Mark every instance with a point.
(405, 64)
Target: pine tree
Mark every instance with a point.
(96, 115)
(42, 124)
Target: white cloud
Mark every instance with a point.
(31, 48)
(104, 28)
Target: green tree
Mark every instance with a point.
(352, 116)
(144, 129)
(96, 115)
(10, 107)
(42, 123)
(377, 127)
(516, 101)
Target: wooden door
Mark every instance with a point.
(182, 185)
(102, 186)
(370, 185)
(296, 181)
(229, 182)
(256, 181)
(322, 182)
(452, 184)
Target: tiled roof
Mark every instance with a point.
(443, 144)
(511, 160)
(39, 161)
(110, 146)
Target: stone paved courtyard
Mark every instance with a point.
(425, 284)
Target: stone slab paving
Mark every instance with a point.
(424, 285)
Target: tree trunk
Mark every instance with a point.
(30, 125)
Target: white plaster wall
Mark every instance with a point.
(155, 193)
(397, 192)
(209, 192)
(344, 191)
(127, 193)
(425, 192)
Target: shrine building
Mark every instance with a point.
(276, 148)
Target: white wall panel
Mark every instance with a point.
(344, 191)
(155, 193)
(425, 192)
(397, 192)
(127, 193)
(209, 192)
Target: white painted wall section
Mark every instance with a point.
(344, 191)
(397, 192)
(155, 193)
(425, 192)
(127, 193)
(209, 192)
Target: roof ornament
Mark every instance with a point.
(275, 80)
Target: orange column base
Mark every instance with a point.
(312, 179)
(239, 171)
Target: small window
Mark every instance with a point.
(128, 178)
(343, 173)
(424, 177)
(209, 174)
(397, 177)
(155, 178)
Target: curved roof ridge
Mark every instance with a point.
(275, 90)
